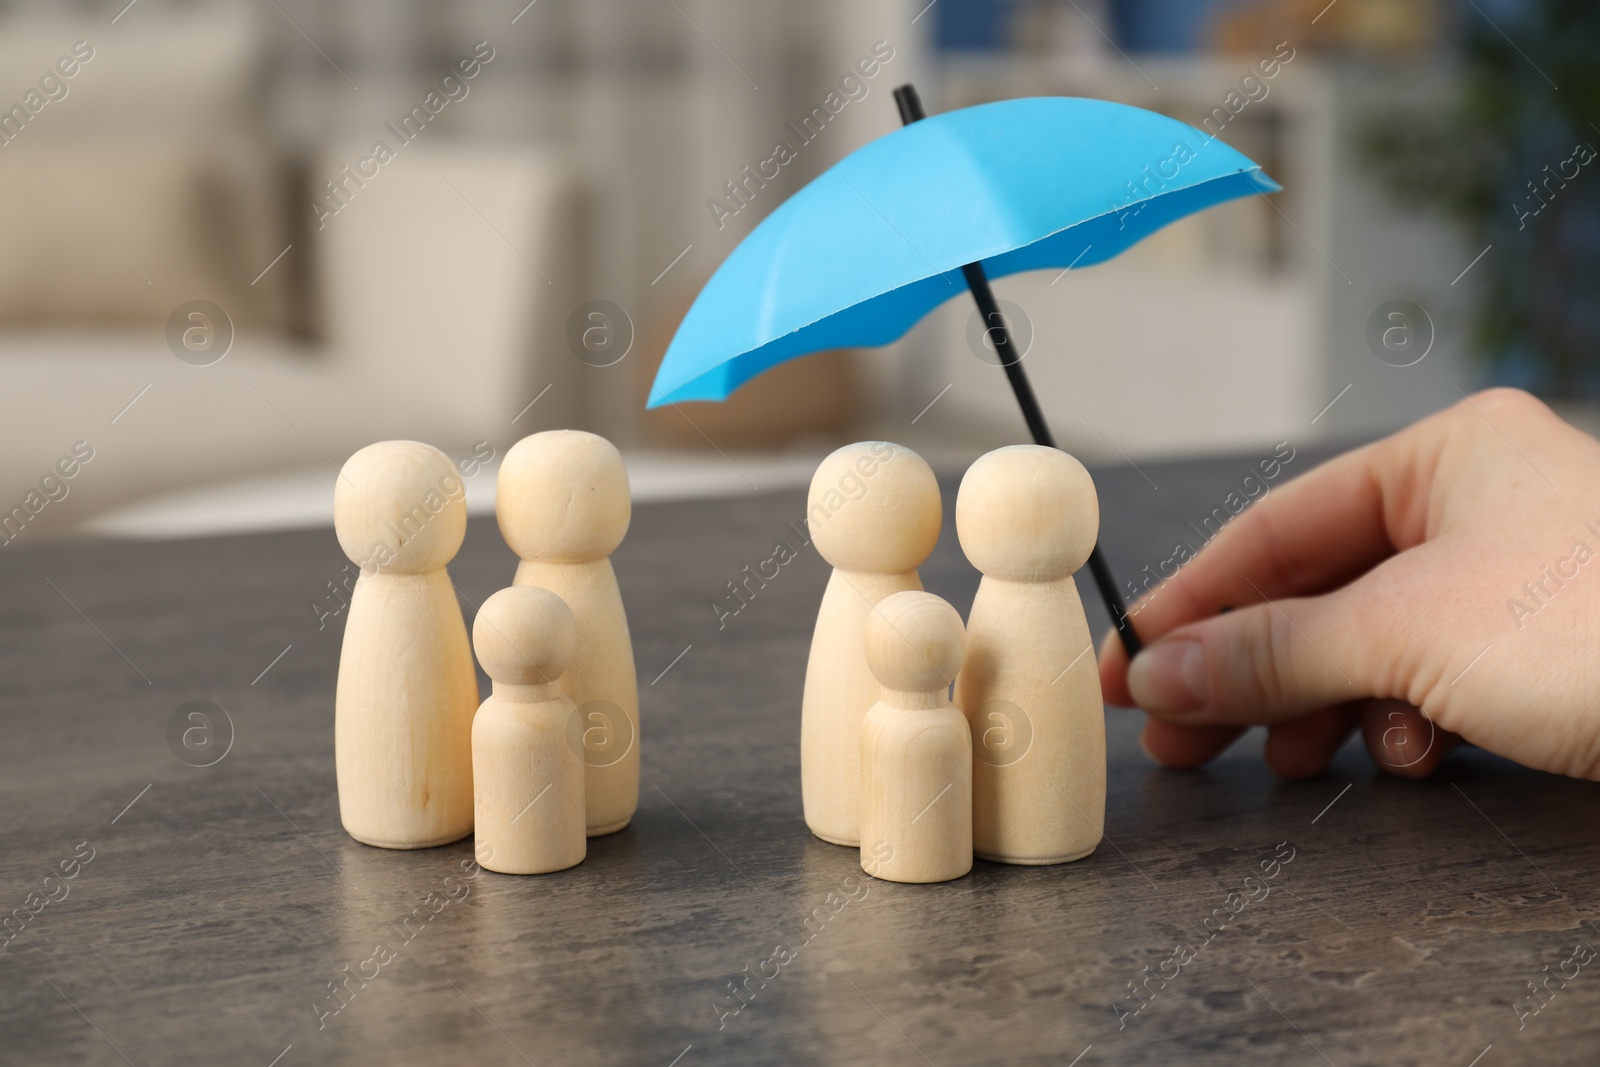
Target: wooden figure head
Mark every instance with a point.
(1027, 513)
(874, 506)
(525, 635)
(562, 497)
(915, 642)
(400, 507)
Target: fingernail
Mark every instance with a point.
(1170, 676)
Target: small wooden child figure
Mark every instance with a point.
(1027, 518)
(526, 741)
(874, 513)
(402, 735)
(916, 749)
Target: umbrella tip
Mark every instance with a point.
(909, 103)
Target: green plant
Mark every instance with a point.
(1511, 158)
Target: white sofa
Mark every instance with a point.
(440, 291)
(436, 329)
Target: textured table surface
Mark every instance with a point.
(210, 907)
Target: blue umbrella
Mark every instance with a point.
(860, 255)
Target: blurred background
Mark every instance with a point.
(242, 239)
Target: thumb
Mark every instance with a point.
(1267, 663)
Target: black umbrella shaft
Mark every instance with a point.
(910, 105)
(999, 334)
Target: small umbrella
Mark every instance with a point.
(905, 222)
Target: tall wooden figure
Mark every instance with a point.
(406, 692)
(563, 503)
(527, 744)
(874, 513)
(916, 749)
(1027, 518)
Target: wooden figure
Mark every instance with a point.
(406, 691)
(916, 749)
(563, 503)
(527, 743)
(1027, 517)
(874, 513)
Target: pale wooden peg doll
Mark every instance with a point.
(527, 747)
(874, 513)
(563, 503)
(406, 691)
(1027, 517)
(916, 749)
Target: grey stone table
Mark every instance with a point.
(161, 913)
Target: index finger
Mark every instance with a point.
(1314, 533)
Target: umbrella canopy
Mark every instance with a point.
(862, 253)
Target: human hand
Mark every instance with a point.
(1430, 587)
